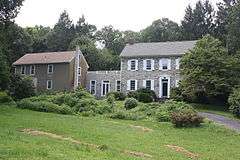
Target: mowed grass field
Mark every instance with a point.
(118, 139)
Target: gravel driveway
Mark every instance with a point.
(228, 122)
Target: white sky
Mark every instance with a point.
(122, 14)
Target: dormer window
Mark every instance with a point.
(50, 69)
(165, 64)
(133, 65)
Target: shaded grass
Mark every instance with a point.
(209, 141)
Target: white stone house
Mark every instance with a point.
(143, 65)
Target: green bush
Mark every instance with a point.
(44, 106)
(21, 87)
(132, 94)
(86, 104)
(82, 93)
(4, 97)
(163, 116)
(186, 118)
(130, 103)
(143, 95)
(119, 96)
(234, 102)
(111, 100)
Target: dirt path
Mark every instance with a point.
(228, 122)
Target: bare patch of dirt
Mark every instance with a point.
(144, 129)
(183, 151)
(59, 137)
(138, 154)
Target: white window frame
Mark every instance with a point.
(48, 69)
(178, 62)
(51, 84)
(23, 67)
(109, 87)
(168, 64)
(34, 69)
(129, 85)
(130, 64)
(145, 64)
(95, 87)
(116, 86)
(145, 84)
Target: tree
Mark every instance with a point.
(15, 42)
(161, 30)
(62, 34)
(38, 36)
(222, 19)
(233, 29)
(111, 38)
(82, 28)
(4, 72)
(131, 36)
(199, 21)
(208, 72)
(9, 9)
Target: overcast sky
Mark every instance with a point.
(122, 14)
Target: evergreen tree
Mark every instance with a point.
(199, 21)
(4, 72)
(62, 34)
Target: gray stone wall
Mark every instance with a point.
(100, 76)
(141, 74)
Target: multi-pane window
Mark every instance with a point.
(148, 64)
(93, 87)
(133, 85)
(50, 69)
(32, 70)
(148, 84)
(118, 86)
(165, 64)
(133, 65)
(23, 70)
(49, 84)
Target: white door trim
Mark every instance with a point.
(160, 85)
(102, 87)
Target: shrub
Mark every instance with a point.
(132, 94)
(186, 118)
(111, 100)
(4, 97)
(81, 93)
(143, 95)
(119, 96)
(86, 104)
(163, 116)
(21, 87)
(130, 103)
(44, 106)
(234, 102)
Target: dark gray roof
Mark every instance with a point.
(157, 48)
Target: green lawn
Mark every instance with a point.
(210, 142)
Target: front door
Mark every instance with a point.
(165, 88)
(105, 87)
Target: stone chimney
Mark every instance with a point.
(77, 59)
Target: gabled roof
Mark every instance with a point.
(46, 58)
(157, 48)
